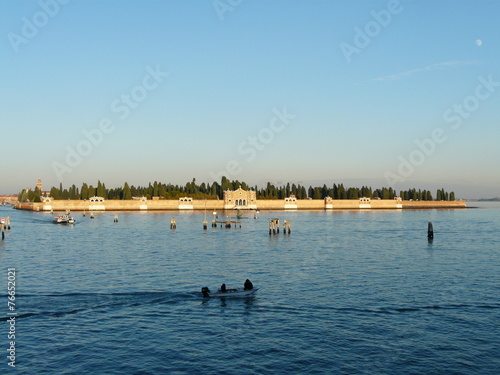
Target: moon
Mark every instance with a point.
(479, 42)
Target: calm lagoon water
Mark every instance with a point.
(346, 292)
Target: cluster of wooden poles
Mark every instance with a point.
(225, 223)
(274, 226)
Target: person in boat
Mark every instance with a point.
(248, 285)
(223, 288)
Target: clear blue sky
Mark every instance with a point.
(190, 88)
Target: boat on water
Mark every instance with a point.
(64, 219)
(229, 293)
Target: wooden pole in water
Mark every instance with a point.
(116, 218)
(7, 222)
(430, 231)
(272, 226)
(2, 225)
(173, 224)
(286, 225)
(205, 224)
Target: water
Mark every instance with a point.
(347, 292)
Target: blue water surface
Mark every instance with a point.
(347, 292)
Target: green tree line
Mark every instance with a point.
(216, 190)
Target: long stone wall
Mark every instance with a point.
(275, 204)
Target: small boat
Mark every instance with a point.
(64, 219)
(229, 293)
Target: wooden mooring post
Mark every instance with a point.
(7, 222)
(286, 225)
(430, 231)
(115, 219)
(274, 226)
(2, 227)
(205, 224)
(173, 224)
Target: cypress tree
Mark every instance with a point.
(127, 194)
(24, 196)
(101, 191)
(36, 195)
(85, 191)
(72, 192)
(385, 193)
(54, 193)
(317, 193)
(303, 192)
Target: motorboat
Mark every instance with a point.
(229, 293)
(64, 219)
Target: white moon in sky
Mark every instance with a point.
(479, 42)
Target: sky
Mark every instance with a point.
(379, 93)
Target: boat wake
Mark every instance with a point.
(59, 305)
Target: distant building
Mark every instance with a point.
(290, 203)
(240, 199)
(185, 203)
(7, 199)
